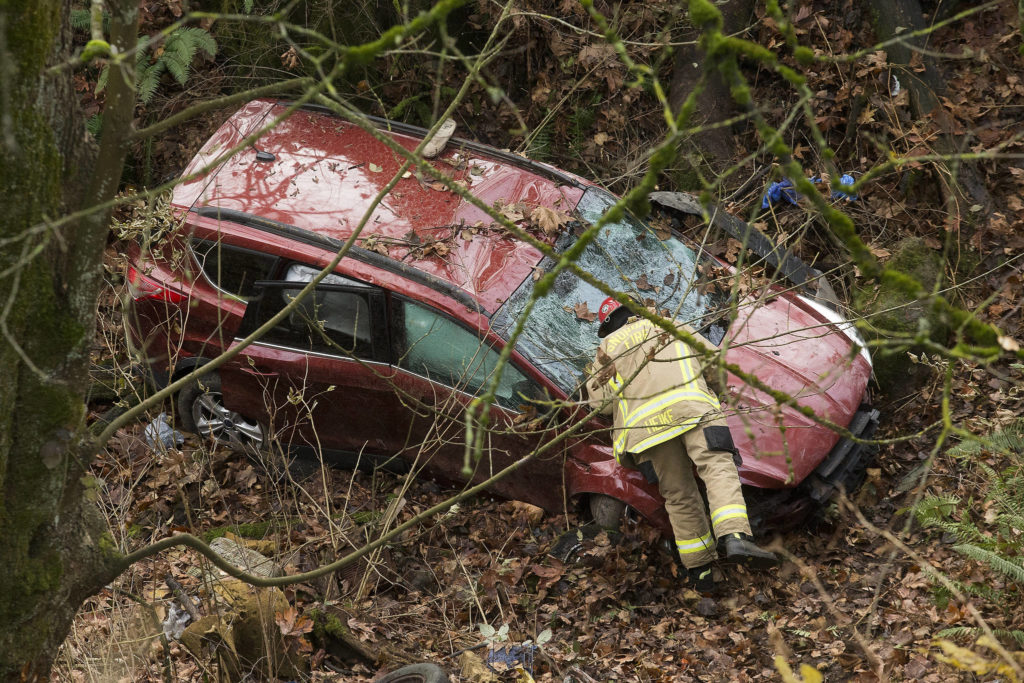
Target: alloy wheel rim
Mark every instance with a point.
(216, 422)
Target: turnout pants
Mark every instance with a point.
(673, 462)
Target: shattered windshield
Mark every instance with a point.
(653, 266)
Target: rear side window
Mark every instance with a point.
(333, 319)
(231, 269)
(431, 345)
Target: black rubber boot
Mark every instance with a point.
(740, 549)
(701, 579)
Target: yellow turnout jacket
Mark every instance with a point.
(651, 384)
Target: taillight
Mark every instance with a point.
(142, 287)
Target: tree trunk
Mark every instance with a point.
(904, 16)
(925, 85)
(714, 146)
(55, 551)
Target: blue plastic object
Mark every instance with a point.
(846, 179)
(783, 191)
(780, 191)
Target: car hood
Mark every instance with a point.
(797, 347)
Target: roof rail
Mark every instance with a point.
(358, 253)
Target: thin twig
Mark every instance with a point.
(183, 598)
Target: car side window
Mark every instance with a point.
(233, 270)
(333, 319)
(432, 345)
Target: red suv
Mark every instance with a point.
(382, 360)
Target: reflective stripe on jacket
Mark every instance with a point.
(652, 387)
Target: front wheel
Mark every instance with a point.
(606, 511)
(202, 410)
(605, 516)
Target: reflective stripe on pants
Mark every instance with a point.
(673, 462)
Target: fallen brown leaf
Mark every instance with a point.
(583, 312)
(548, 220)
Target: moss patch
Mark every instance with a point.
(364, 516)
(331, 632)
(889, 312)
(327, 626)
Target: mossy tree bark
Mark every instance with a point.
(53, 549)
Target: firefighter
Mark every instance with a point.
(666, 422)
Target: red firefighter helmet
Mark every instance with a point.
(604, 317)
(608, 306)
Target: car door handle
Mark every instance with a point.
(259, 373)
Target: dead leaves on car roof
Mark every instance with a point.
(548, 220)
(541, 220)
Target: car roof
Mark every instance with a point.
(326, 171)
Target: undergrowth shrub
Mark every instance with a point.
(174, 55)
(989, 531)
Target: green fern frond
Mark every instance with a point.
(181, 44)
(177, 56)
(1009, 494)
(989, 533)
(186, 41)
(990, 474)
(540, 146)
(936, 508)
(204, 41)
(1010, 522)
(982, 590)
(965, 532)
(958, 632)
(148, 81)
(94, 124)
(179, 51)
(81, 20)
(176, 66)
(966, 449)
(141, 46)
(943, 595)
(1000, 564)
(101, 80)
(1008, 440)
(974, 632)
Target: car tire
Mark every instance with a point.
(606, 511)
(605, 516)
(415, 673)
(202, 411)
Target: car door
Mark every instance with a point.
(319, 379)
(442, 365)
